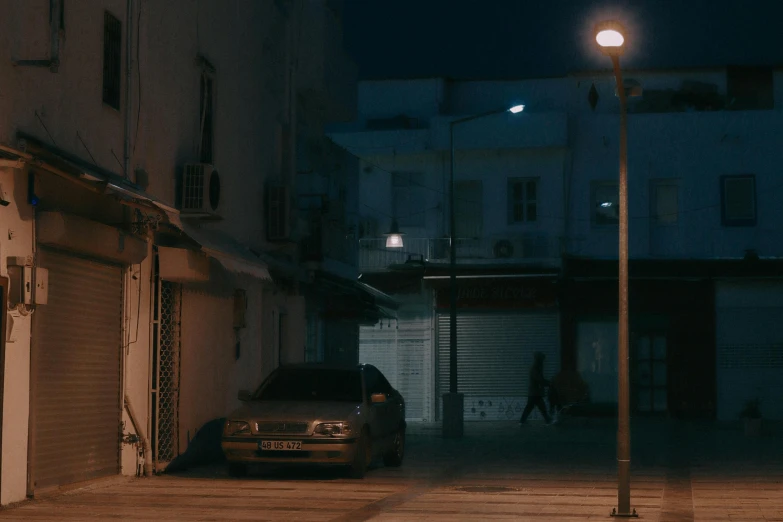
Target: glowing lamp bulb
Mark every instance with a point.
(610, 38)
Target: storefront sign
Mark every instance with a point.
(500, 294)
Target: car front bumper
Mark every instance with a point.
(314, 451)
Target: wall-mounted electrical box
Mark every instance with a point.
(27, 284)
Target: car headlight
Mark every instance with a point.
(235, 427)
(333, 428)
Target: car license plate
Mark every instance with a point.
(280, 445)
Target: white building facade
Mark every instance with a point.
(149, 256)
(536, 228)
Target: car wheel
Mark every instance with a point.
(363, 456)
(395, 455)
(237, 469)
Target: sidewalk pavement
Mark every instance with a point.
(681, 471)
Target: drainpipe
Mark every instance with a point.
(128, 85)
(145, 441)
(56, 10)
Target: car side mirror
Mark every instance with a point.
(244, 395)
(378, 398)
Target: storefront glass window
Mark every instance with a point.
(597, 363)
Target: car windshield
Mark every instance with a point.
(312, 385)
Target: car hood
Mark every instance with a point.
(295, 411)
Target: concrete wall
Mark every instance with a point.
(16, 239)
(695, 149)
(137, 290)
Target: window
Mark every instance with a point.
(468, 209)
(522, 200)
(738, 200)
(605, 203)
(409, 199)
(112, 57)
(207, 117)
(750, 88)
(597, 358)
(312, 385)
(664, 203)
(375, 382)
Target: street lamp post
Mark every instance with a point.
(611, 40)
(453, 402)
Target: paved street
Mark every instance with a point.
(681, 472)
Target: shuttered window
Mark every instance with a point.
(112, 58)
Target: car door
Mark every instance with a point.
(395, 405)
(375, 383)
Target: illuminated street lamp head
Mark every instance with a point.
(610, 37)
(516, 109)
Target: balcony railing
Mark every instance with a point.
(374, 256)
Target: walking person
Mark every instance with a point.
(536, 389)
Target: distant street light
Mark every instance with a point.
(611, 40)
(453, 402)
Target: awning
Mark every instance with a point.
(372, 301)
(382, 300)
(97, 179)
(234, 256)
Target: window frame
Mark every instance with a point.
(654, 185)
(727, 221)
(594, 186)
(468, 214)
(511, 201)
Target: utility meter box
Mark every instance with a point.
(27, 284)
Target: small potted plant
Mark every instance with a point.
(751, 414)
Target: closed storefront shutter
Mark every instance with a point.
(402, 350)
(494, 354)
(749, 335)
(76, 371)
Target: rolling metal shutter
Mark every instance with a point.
(749, 338)
(494, 354)
(76, 372)
(402, 351)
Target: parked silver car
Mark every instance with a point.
(314, 413)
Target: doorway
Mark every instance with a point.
(651, 373)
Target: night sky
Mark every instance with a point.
(507, 39)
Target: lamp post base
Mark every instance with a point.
(615, 514)
(453, 415)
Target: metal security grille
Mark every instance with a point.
(165, 391)
(402, 351)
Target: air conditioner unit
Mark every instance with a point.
(200, 190)
(278, 222)
(503, 249)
